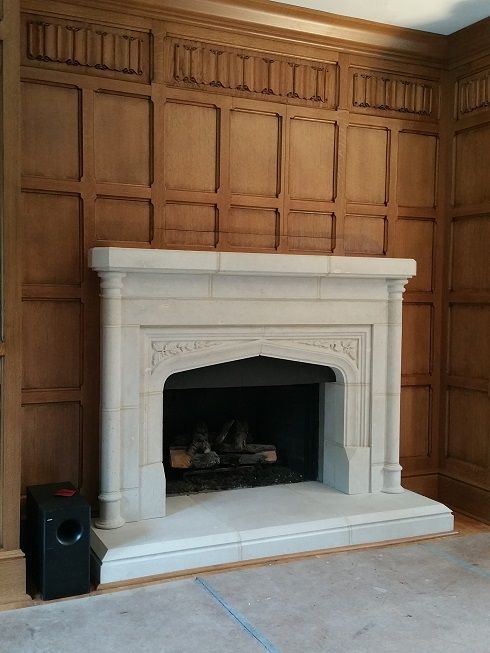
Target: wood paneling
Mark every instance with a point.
(472, 171)
(415, 239)
(312, 165)
(191, 146)
(417, 169)
(51, 336)
(469, 341)
(313, 232)
(123, 130)
(252, 228)
(471, 234)
(415, 408)
(189, 225)
(468, 419)
(366, 234)
(120, 219)
(367, 165)
(51, 131)
(48, 220)
(255, 147)
(417, 339)
(52, 427)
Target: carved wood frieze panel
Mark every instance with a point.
(473, 93)
(95, 49)
(249, 72)
(389, 92)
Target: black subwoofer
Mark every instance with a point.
(57, 543)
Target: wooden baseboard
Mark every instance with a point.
(13, 580)
(427, 485)
(467, 499)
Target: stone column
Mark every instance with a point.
(392, 468)
(110, 401)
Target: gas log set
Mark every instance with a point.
(204, 460)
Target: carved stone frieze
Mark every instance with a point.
(259, 74)
(163, 350)
(95, 48)
(388, 92)
(474, 93)
(343, 346)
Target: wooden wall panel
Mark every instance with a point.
(255, 150)
(189, 225)
(415, 239)
(417, 339)
(123, 138)
(471, 234)
(52, 333)
(312, 164)
(52, 238)
(191, 146)
(311, 232)
(51, 130)
(252, 228)
(417, 169)
(366, 234)
(125, 220)
(52, 427)
(367, 165)
(469, 340)
(469, 415)
(472, 174)
(415, 409)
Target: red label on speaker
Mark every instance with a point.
(64, 492)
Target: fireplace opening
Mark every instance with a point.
(245, 423)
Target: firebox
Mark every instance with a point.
(244, 423)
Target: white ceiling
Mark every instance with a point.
(440, 16)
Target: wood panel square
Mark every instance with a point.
(51, 344)
(51, 131)
(469, 341)
(123, 220)
(468, 419)
(123, 130)
(188, 225)
(417, 339)
(415, 410)
(367, 165)
(471, 235)
(472, 172)
(366, 234)
(250, 227)
(312, 159)
(311, 232)
(191, 147)
(50, 443)
(415, 239)
(417, 169)
(49, 219)
(255, 146)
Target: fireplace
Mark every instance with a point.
(273, 404)
(208, 322)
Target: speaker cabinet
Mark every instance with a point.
(58, 540)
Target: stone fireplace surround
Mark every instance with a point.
(165, 311)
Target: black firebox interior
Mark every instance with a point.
(278, 399)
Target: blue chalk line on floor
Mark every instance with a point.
(439, 551)
(242, 620)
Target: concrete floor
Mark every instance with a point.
(427, 597)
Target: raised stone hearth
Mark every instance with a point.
(166, 311)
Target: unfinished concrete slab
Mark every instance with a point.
(427, 596)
